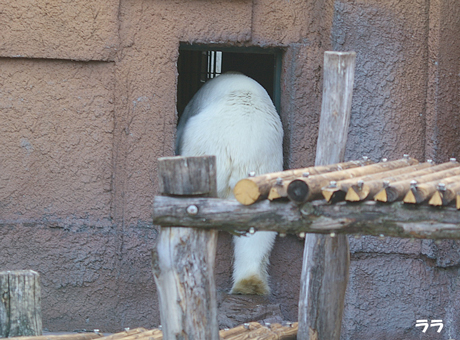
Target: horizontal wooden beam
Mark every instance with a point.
(369, 218)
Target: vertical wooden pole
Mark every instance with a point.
(326, 259)
(183, 261)
(20, 304)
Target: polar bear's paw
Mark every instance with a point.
(252, 285)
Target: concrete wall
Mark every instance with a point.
(87, 105)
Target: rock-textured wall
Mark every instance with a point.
(87, 105)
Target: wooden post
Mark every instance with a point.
(20, 304)
(183, 262)
(326, 259)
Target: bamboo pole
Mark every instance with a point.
(339, 192)
(183, 261)
(20, 303)
(306, 189)
(372, 188)
(252, 189)
(326, 260)
(397, 190)
(446, 191)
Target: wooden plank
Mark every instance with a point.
(183, 261)
(20, 303)
(369, 218)
(326, 260)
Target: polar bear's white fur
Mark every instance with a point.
(233, 118)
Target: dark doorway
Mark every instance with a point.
(199, 63)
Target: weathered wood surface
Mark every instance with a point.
(369, 218)
(396, 191)
(20, 303)
(326, 261)
(339, 192)
(252, 189)
(302, 190)
(370, 188)
(187, 175)
(183, 261)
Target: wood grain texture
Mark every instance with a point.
(20, 303)
(183, 261)
(325, 261)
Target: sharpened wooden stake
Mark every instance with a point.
(20, 304)
(326, 260)
(183, 261)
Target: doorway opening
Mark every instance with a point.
(199, 63)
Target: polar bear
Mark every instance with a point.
(233, 118)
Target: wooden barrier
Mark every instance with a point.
(183, 261)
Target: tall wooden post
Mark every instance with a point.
(20, 303)
(183, 262)
(326, 259)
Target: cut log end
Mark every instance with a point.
(436, 199)
(381, 196)
(410, 198)
(246, 192)
(328, 193)
(298, 191)
(352, 195)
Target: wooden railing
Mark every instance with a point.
(184, 259)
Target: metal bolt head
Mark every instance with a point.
(384, 160)
(279, 181)
(360, 184)
(441, 186)
(332, 184)
(413, 183)
(246, 325)
(252, 230)
(386, 184)
(332, 234)
(405, 156)
(453, 160)
(365, 158)
(430, 161)
(282, 234)
(302, 235)
(305, 174)
(192, 209)
(251, 174)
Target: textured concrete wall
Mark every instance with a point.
(406, 88)
(77, 30)
(87, 105)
